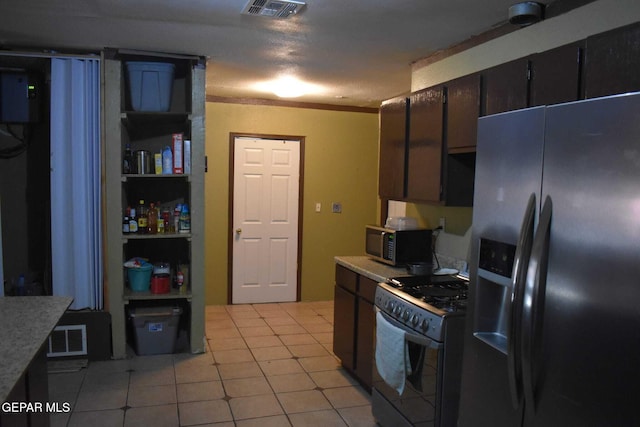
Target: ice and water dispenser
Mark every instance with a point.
(493, 293)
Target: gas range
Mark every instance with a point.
(423, 303)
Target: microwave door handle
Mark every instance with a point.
(533, 306)
(383, 237)
(521, 261)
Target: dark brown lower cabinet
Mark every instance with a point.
(364, 342)
(354, 323)
(33, 387)
(344, 315)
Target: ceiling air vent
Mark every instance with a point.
(273, 9)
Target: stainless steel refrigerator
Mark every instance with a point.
(553, 323)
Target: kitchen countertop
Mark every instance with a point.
(26, 323)
(367, 267)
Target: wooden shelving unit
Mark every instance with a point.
(151, 131)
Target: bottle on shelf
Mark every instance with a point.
(176, 218)
(167, 161)
(180, 280)
(143, 221)
(125, 220)
(127, 160)
(185, 219)
(160, 227)
(125, 224)
(152, 219)
(133, 222)
(166, 219)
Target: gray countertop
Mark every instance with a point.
(367, 267)
(26, 323)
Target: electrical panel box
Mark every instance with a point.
(19, 97)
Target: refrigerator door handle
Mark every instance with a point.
(521, 262)
(533, 306)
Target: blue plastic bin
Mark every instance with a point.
(140, 278)
(150, 85)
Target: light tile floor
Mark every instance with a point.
(265, 365)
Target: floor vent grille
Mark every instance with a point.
(68, 340)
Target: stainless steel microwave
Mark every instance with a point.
(398, 247)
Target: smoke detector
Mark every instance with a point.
(278, 9)
(525, 13)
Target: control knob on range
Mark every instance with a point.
(405, 315)
(414, 320)
(424, 325)
(397, 309)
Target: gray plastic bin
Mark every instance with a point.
(156, 329)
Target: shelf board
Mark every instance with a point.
(126, 237)
(129, 295)
(128, 176)
(147, 116)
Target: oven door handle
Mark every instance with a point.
(411, 336)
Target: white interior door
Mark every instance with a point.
(265, 220)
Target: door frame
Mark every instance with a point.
(230, 234)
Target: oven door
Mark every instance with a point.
(419, 404)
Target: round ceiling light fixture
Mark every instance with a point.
(288, 87)
(525, 13)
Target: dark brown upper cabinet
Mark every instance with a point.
(393, 146)
(506, 87)
(612, 62)
(424, 163)
(462, 112)
(556, 75)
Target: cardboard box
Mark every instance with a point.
(187, 156)
(178, 165)
(158, 163)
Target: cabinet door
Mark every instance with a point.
(393, 144)
(425, 145)
(463, 110)
(506, 86)
(344, 312)
(367, 288)
(612, 61)
(17, 394)
(556, 75)
(364, 350)
(346, 278)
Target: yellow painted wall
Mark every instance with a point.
(340, 165)
(457, 220)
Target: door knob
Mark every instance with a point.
(238, 230)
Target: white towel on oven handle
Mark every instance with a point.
(391, 353)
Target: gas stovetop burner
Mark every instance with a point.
(446, 293)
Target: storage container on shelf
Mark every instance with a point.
(155, 329)
(150, 85)
(140, 277)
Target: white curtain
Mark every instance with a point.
(76, 240)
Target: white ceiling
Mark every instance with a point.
(359, 51)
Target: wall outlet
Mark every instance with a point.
(318, 206)
(336, 207)
(442, 223)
